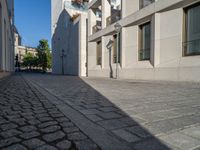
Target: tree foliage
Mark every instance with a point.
(44, 55)
(41, 60)
(30, 61)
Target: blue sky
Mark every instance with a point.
(33, 20)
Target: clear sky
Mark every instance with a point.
(33, 20)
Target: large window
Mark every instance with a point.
(144, 3)
(191, 44)
(99, 53)
(115, 48)
(145, 41)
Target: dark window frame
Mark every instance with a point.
(185, 32)
(98, 58)
(140, 37)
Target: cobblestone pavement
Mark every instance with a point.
(29, 121)
(143, 115)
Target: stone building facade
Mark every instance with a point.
(6, 35)
(159, 39)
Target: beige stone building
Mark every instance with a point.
(159, 39)
(23, 50)
(6, 36)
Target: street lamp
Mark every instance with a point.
(62, 60)
(118, 28)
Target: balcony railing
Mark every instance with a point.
(113, 18)
(144, 3)
(144, 54)
(97, 27)
(191, 47)
(82, 6)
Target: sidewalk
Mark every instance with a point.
(142, 115)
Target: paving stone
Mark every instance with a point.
(42, 115)
(34, 122)
(108, 109)
(70, 129)
(15, 147)
(50, 129)
(38, 112)
(76, 136)
(53, 136)
(3, 121)
(44, 119)
(64, 145)
(90, 111)
(9, 141)
(91, 106)
(110, 115)
(67, 124)
(13, 117)
(33, 143)
(29, 135)
(28, 128)
(139, 131)
(198, 148)
(46, 147)
(46, 124)
(94, 118)
(129, 121)
(10, 133)
(8, 126)
(181, 141)
(126, 135)
(151, 144)
(112, 124)
(86, 145)
(193, 132)
(57, 115)
(62, 119)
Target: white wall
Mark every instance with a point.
(7, 39)
(167, 60)
(68, 36)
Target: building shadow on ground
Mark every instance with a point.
(101, 111)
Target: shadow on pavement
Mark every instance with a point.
(98, 109)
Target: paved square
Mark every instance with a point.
(99, 113)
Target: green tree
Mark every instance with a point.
(30, 61)
(44, 55)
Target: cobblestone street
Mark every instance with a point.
(60, 112)
(29, 121)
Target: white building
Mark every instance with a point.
(6, 36)
(159, 40)
(69, 42)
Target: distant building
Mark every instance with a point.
(18, 39)
(6, 35)
(21, 50)
(69, 36)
